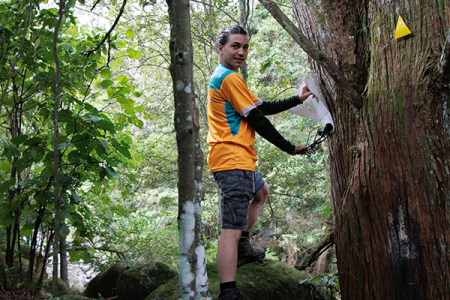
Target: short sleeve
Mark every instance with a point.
(236, 92)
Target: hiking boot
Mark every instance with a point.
(232, 294)
(248, 254)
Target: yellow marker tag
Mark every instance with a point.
(402, 30)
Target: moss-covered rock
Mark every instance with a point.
(105, 283)
(14, 271)
(139, 282)
(63, 288)
(74, 297)
(265, 280)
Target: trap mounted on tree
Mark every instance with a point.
(314, 108)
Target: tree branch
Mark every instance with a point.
(25, 32)
(95, 4)
(444, 63)
(326, 243)
(122, 9)
(320, 57)
(121, 254)
(229, 16)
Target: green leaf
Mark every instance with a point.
(33, 141)
(137, 94)
(7, 184)
(106, 83)
(121, 44)
(22, 163)
(105, 73)
(64, 145)
(107, 126)
(131, 53)
(138, 157)
(126, 103)
(111, 171)
(138, 55)
(104, 144)
(64, 230)
(124, 151)
(302, 281)
(72, 157)
(5, 166)
(122, 79)
(130, 34)
(26, 232)
(90, 72)
(282, 69)
(75, 195)
(19, 139)
(265, 66)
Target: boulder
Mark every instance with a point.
(105, 283)
(74, 297)
(63, 288)
(264, 280)
(139, 282)
(14, 271)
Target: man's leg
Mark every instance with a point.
(227, 254)
(246, 252)
(255, 206)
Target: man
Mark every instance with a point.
(234, 114)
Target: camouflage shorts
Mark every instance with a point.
(237, 189)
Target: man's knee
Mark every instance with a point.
(261, 196)
(230, 234)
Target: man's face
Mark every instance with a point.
(234, 52)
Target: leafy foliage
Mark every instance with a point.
(96, 107)
(118, 168)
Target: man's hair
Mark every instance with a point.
(223, 36)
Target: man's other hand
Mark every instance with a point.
(305, 93)
(299, 149)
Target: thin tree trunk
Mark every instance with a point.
(63, 256)
(3, 261)
(243, 13)
(34, 242)
(44, 260)
(56, 153)
(389, 160)
(193, 280)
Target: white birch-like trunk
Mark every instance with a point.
(193, 280)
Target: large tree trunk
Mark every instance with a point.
(389, 159)
(193, 280)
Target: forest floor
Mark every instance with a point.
(22, 295)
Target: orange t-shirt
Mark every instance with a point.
(230, 137)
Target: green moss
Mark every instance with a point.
(105, 283)
(264, 280)
(73, 297)
(137, 283)
(63, 288)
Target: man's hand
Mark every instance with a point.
(299, 149)
(305, 93)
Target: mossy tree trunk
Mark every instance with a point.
(389, 158)
(191, 264)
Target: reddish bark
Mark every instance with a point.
(389, 160)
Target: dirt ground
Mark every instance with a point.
(21, 295)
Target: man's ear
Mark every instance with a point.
(219, 48)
